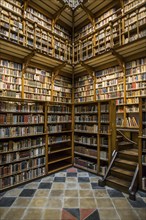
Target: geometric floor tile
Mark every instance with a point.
(70, 214)
(45, 185)
(84, 213)
(115, 193)
(7, 201)
(27, 193)
(139, 203)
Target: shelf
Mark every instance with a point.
(60, 167)
(84, 168)
(58, 159)
(85, 132)
(85, 155)
(28, 135)
(56, 151)
(93, 145)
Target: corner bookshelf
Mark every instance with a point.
(142, 144)
(85, 136)
(59, 140)
(22, 142)
(95, 135)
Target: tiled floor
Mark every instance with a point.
(71, 194)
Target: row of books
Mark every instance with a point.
(61, 94)
(58, 139)
(86, 118)
(144, 158)
(59, 127)
(86, 109)
(112, 95)
(144, 131)
(129, 4)
(12, 169)
(40, 97)
(61, 99)
(136, 85)
(18, 119)
(86, 93)
(136, 66)
(10, 64)
(85, 150)
(22, 144)
(21, 155)
(84, 99)
(89, 140)
(104, 141)
(16, 8)
(86, 128)
(136, 78)
(20, 131)
(22, 177)
(20, 107)
(59, 118)
(84, 88)
(59, 109)
(104, 118)
(143, 144)
(104, 129)
(132, 108)
(140, 92)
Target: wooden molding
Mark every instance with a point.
(26, 3)
(119, 58)
(58, 13)
(89, 14)
(57, 69)
(27, 59)
(89, 69)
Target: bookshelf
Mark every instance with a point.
(10, 79)
(142, 144)
(29, 27)
(94, 141)
(62, 89)
(84, 88)
(85, 136)
(115, 27)
(59, 140)
(22, 142)
(37, 84)
(106, 134)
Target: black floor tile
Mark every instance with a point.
(83, 179)
(59, 179)
(7, 201)
(44, 185)
(142, 194)
(27, 193)
(139, 203)
(96, 186)
(115, 193)
(92, 175)
(71, 174)
(93, 216)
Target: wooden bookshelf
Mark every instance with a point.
(142, 144)
(59, 140)
(93, 141)
(22, 142)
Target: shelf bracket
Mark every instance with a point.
(57, 14)
(28, 58)
(89, 14)
(26, 3)
(89, 69)
(57, 69)
(119, 58)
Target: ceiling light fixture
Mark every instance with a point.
(73, 3)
